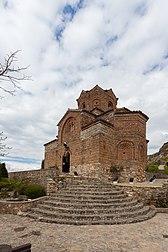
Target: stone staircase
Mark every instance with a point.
(91, 202)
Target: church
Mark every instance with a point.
(97, 137)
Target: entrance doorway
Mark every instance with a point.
(66, 162)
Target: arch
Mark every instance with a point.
(69, 124)
(83, 105)
(68, 128)
(96, 103)
(66, 162)
(125, 150)
(110, 105)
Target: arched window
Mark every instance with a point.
(96, 103)
(83, 105)
(69, 125)
(110, 104)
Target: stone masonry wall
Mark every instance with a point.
(144, 192)
(35, 176)
(50, 154)
(13, 207)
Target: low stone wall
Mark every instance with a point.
(143, 192)
(50, 179)
(16, 207)
(162, 210)
(35, 176)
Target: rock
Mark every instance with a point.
(38, 233)
(19, 229)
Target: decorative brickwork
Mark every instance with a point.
(97, 136)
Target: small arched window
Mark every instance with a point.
(83, 105)
(96, 103)
(110, 104)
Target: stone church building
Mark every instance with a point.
(98, 136)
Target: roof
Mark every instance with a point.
(98, 121)
(66, 113)
(52, 141)
(110, 91)
(121, 111)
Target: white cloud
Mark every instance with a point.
(118, 44)
(16, 166)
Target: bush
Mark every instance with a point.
(34, 191)
(115, 169)
(153, 168)
(4, 183)
(161, 202)
(166, 169)
(17, 186)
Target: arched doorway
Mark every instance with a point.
(66, 162)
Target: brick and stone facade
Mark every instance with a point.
(97, 136)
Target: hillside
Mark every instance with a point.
(160, 157)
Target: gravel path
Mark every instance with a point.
(148, 236)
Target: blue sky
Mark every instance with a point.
(73, 45)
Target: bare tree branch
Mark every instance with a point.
(10, 78)
(9, 72)
(3, 148)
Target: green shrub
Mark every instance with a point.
(34, 191)
(115, 169)
(152, 168)
(4, 183)
(17, 186)
(161, 202)
(166, 169)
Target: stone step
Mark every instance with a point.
(94, 222)
(63, 195)
(94, 216)
(91, 204)
(94, 186)
(91, 200)
(86, 180)
(100, 221)
(88, 210)
(88, 191)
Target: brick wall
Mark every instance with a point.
(35, 176)
(97, 98)
(100, 135)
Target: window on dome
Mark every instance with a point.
(110, 104)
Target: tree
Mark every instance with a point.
(12, 74)
(3, 148)
(10, 78)
(3, 171)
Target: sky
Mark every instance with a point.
(71, 46)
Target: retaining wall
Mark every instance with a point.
(143, 192)
(35, 176)
(16, 207)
